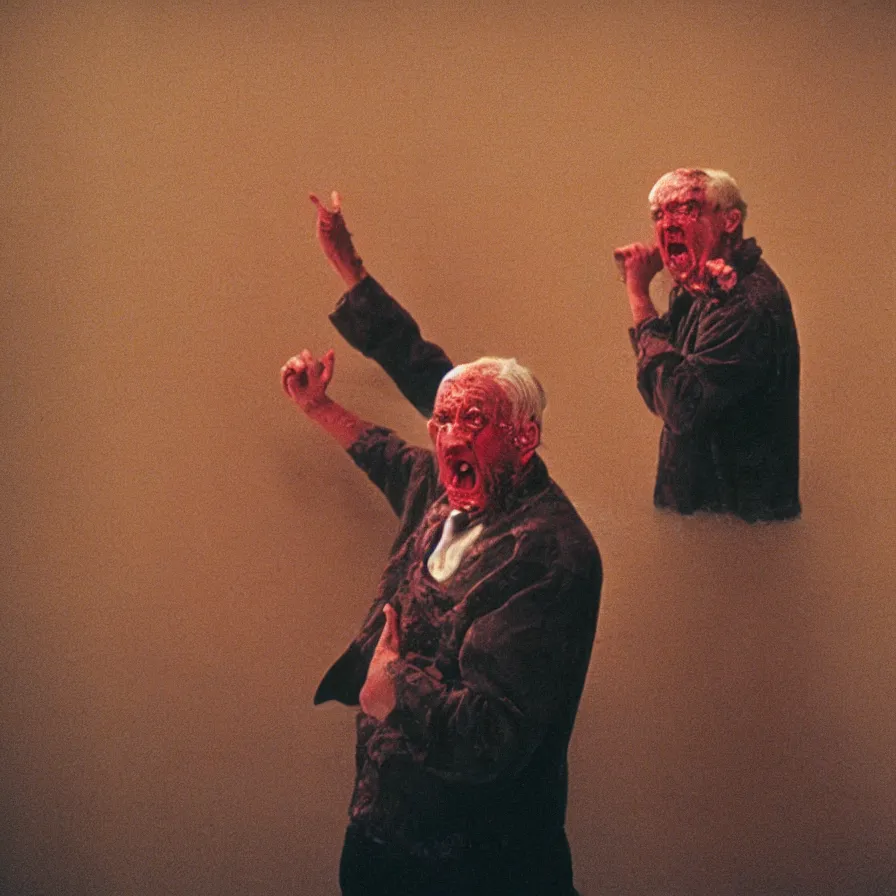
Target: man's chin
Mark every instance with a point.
(678, 271)
(692, 276)
(470, 501)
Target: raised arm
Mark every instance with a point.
(305, 381)
(336, 241)
(399, 470)
(372, 322)
(638, 264)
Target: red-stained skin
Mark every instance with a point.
(471, 425)
(689, 230)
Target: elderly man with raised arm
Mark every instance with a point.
(471, 661)
(721, 367)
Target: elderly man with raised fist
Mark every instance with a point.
(470, 664)
(721, 367)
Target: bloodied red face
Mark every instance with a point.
(471, 430)
(690, 230)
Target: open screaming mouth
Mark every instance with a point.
(463, 476)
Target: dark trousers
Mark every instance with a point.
(371, 868)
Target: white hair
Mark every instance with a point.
(721, 188)
(524, 392)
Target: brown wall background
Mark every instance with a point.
(184, 555)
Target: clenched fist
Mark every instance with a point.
(305, 380)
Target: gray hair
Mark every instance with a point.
(526, 395)
(721, 188)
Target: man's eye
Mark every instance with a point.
(440, 419)
(474, 418)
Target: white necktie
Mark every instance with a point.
(456, 538)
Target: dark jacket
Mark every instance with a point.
(722, 371)
(492, 664)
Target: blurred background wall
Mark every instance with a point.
(183, 554)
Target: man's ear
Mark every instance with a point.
(528, 438)
(733, 219)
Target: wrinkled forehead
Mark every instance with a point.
(675, 188)
(469, 388)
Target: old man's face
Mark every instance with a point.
(473, 436)
(689, 229)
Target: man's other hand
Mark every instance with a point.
(378, 694)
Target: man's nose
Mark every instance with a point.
(671, 223)
(452, 433)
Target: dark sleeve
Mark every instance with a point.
(732, 355)
(402, 472)
(371, 321)
(522, 670)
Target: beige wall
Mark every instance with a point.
(183, 554)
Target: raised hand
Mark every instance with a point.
(638, 264)
(305, 380)
(336, 241)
